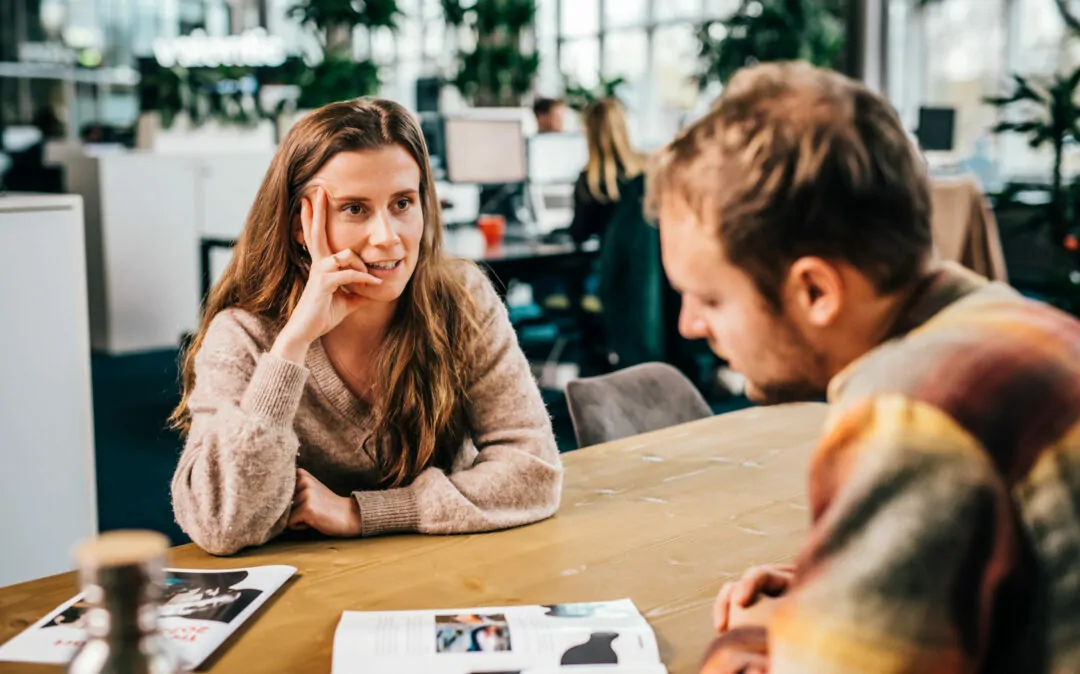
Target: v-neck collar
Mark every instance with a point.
(333, 386)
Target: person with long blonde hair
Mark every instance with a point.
(613, 162)
(348, 376)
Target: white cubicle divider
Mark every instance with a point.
(47, 486)
(150, 246)
(146, 214)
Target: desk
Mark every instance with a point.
(663, 518)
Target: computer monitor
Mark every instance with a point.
(484, 151)
(428, 90)
(557, 158)
(937, 128)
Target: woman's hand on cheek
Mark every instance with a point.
(326, 301)
(316, 507)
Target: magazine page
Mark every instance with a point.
(200, 609)
(611, 636)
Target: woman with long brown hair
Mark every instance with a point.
(348, 377)
(612, 162)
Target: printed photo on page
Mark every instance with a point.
(199, 610)
(605, 636)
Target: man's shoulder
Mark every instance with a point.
(994, 361)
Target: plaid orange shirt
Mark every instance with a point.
(945, 498)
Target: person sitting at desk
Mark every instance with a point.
(612, 162)
(550, 115)
(347, 376)
(795, 220)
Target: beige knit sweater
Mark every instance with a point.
(256, 418)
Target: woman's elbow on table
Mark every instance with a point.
(552, 495)
(221, 526)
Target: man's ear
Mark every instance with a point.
(815, 289)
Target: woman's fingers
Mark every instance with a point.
(345, 277)
(305, 226)
(319, 245)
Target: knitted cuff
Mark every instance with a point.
(388, 511)
(275, 389)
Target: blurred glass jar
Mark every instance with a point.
(123, 576)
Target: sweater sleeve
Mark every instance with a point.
(235, 479)
(516, 478)
(912, 545)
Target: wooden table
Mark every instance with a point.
(663, 518)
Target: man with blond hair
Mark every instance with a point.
(945, 492)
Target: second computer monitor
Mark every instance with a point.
(937, 129)
(557, 158)
(484, 151)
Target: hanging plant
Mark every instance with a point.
(502, 66)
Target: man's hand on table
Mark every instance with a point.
(752, 599)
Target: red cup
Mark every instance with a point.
(493, 227)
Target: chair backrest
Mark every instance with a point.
(636, 400)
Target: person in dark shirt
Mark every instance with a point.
(613, 161)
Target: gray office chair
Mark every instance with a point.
(639, 399)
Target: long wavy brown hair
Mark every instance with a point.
(420, 392)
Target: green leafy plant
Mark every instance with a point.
(579, 97)
(499, 70)
(224, 94)
(770, 30)
(335, 79)
(338, 76)
(334, 20)
(1052, 118)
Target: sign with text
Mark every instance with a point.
(254, 48)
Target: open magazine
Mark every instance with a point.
(200, 609)
(602, 637)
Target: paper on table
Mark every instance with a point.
(200, 609)
(601, 636)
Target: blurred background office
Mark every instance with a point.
(134, 133)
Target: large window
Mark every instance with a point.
(622, 13)
(673, 83)
(579, 17)
(626, 55)
(580, 61)
(650, 43)
(954, 53)
(966, 61)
